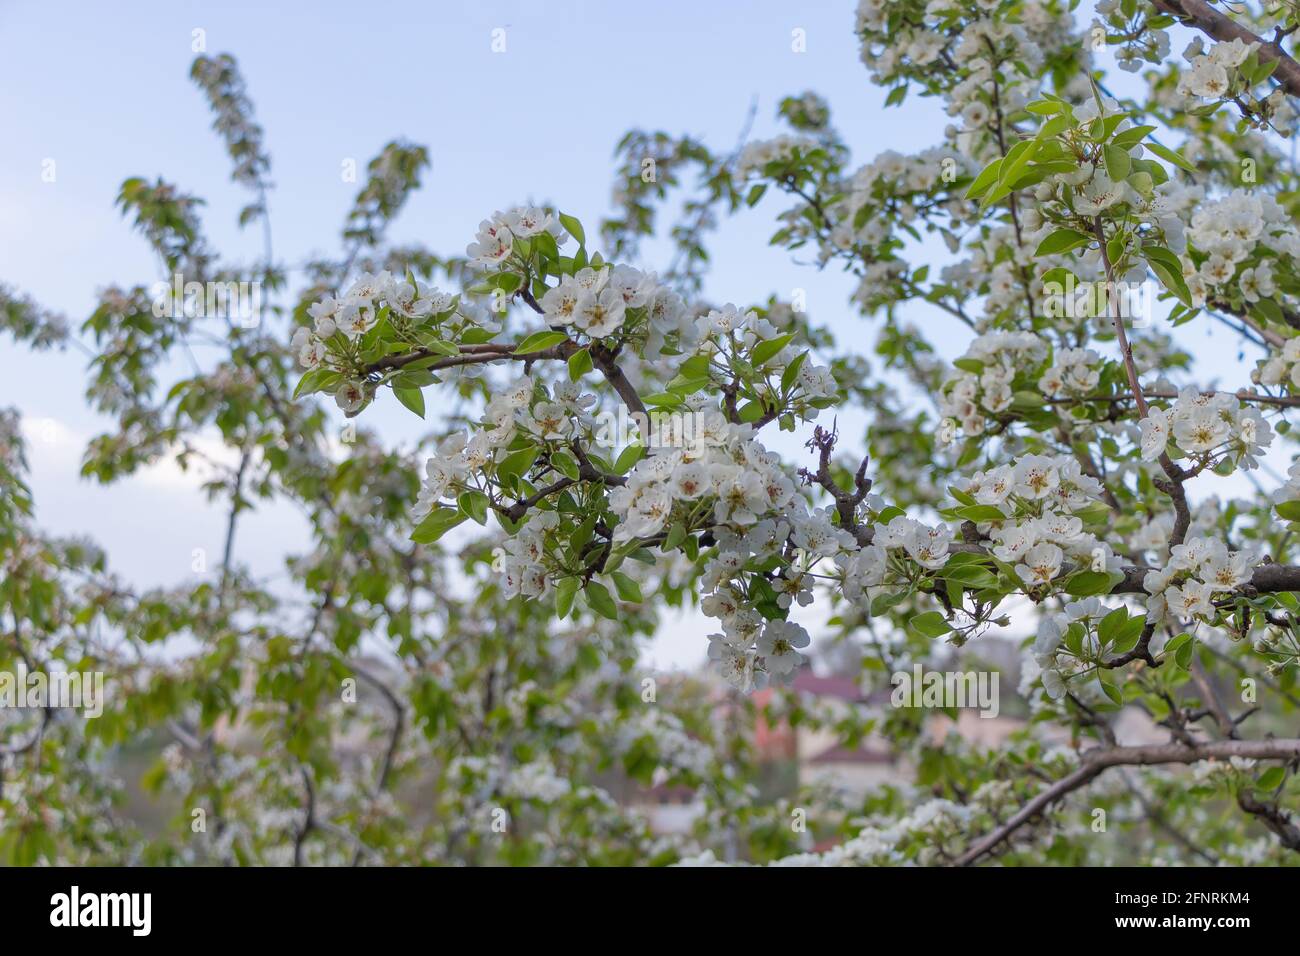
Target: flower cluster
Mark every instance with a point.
(896, 45)
(1041, 534)
(1213, 771)
(494, 242)
(455, 458)
(674, 748)
(926, 545)
(522, 406)
(1282, 368)
(1075, 372)
(1198, 569)
(906, 187)
(520, 558)
(1204, 426)
(598, 302)
(784, 149)
(968, 397)
(808, 111)
(1232, 233)
(1139, 46)
(1290, 491)
(753, 649)
(771, 654)
(1208, 76)
(918, 834)
(735, 475)
(1058, 668)
(732, 341)
(1230, 71)
(339, 323)
(1230, 227)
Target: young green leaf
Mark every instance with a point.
(540, 342)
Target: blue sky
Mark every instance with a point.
(103, 91)
(105, 94)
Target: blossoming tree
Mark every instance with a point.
(1055, 479)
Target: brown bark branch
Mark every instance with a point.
(1219, 26)
(1096, 761)
(1276, 819)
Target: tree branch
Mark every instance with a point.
(1277, 820)
(1202, 16)
(1096, 761)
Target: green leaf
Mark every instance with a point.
(1054, 127)
(1117, 163)
(930, 624)
(313, 381)
(1131, 136)
(1126, 637)
(687, 386)
(1174, 643)
(766, 350)
(962, 496)
(1088, 583)
(981, 513)
(1111, 624)
(1110, 690)
(412, 398)
(1062, 240)
(574, 228)
(510, 281)
(436, 524)
(1167, 154)
(628, 457)
(1018, 156)
(971, 576)
(1142, 182)
(599, 598)
(518, 462)
(582, 534)
(475, 504)
(697, 366)
(565, 464)
(579, 364)
(545, 243)
(1115, 247)
(440, 347)
(1289, 510)
(1271, 778)
(886, 600)
(664, 399)
(987, 177)
(628, 589)
(566, 589)
(1169, 270)
(540, 342)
